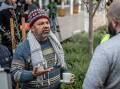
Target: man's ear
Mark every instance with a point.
(32, 28)
(114, 23)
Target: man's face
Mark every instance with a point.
(41, 29)
(111, 29)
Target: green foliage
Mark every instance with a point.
(99, 34)
(77, 55)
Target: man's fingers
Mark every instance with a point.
(72, 80)
(35, 69)
(40, 70)
(45, 71)
(49, 69)
(73, 75)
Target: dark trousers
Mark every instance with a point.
(6, 41)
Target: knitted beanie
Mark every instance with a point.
(36, 14)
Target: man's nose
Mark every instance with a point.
(46, 25)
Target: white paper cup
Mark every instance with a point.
(67, 77)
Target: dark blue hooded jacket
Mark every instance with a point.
(5, 57)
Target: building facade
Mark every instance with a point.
(67, 5)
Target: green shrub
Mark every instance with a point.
(77, 55)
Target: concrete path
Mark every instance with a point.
(70, 25)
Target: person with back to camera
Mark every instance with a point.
(104, 69)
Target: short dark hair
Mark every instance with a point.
(114, 11)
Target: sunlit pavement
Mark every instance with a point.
(71, 24)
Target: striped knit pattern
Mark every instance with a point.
(36, 14)
(54, 75)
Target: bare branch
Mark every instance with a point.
(86, 3)
(99, 1)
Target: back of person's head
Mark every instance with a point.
(114, 11)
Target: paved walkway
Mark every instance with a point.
(70, 25)
(99, 19)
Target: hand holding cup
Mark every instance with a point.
(68, 78)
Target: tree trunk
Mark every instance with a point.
(90, 27)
